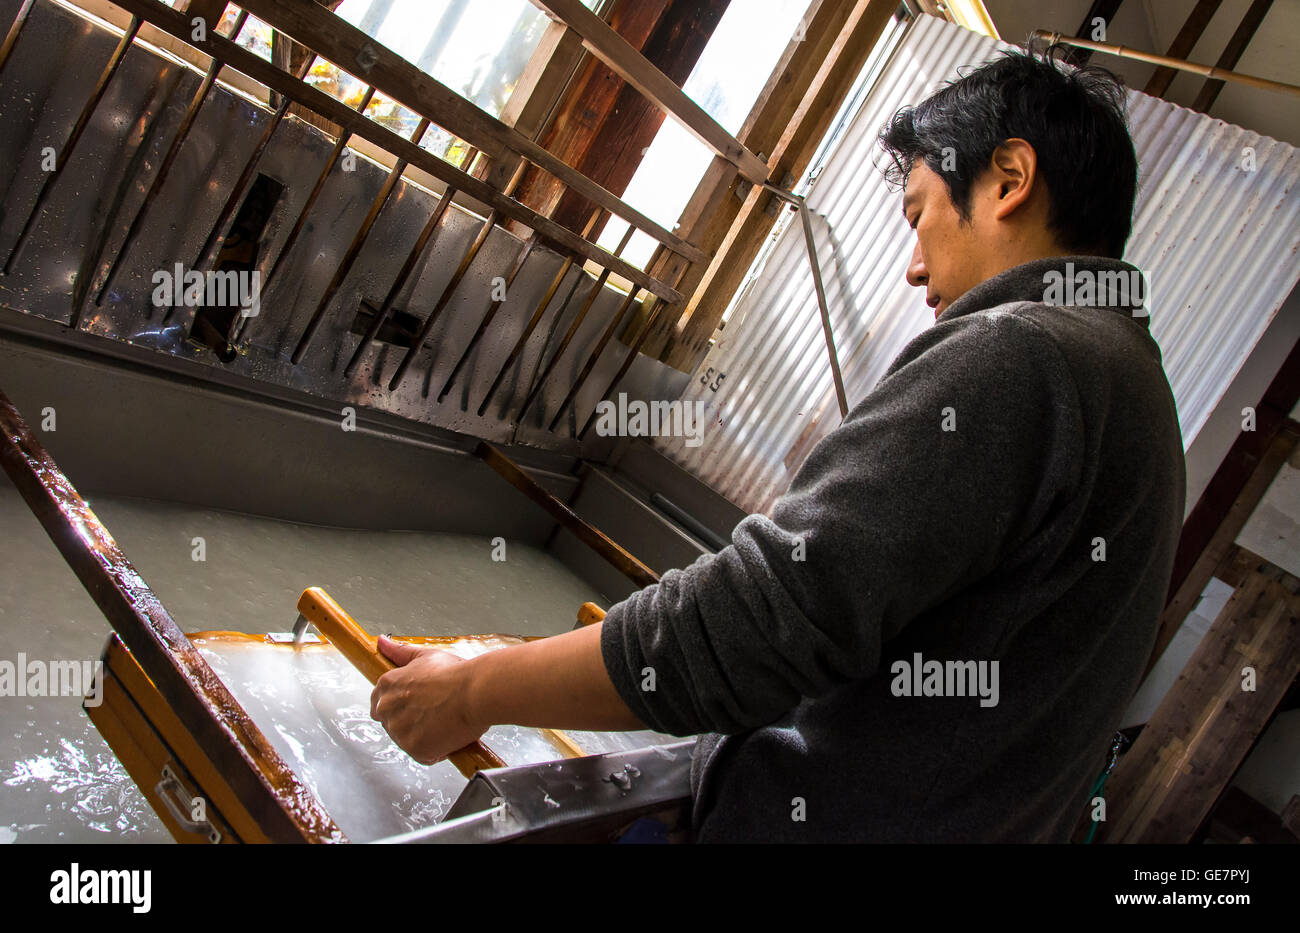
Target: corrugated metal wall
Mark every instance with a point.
(1218, 242)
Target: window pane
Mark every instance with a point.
(478, 48)
(725, 82)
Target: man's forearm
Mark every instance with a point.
(558, 682)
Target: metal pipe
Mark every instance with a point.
(412, 257)
(164, 167)
(573, 329)
(465, 262)
(1181, 64)
(78, 128)
(804, 211)
(688, 521)
(539, 311)
(801, 205)
(487, 317)
(354, 248)
(595, 354)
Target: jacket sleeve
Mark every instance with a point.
(954, 457)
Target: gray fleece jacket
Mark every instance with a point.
(1010, 494)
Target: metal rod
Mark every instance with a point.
(354, 248)
(589, 534)
(688, 521)
(573, 329)
(821, 305)
(1181, 64)
(217, 238)
(631, 357)
(65, 154)
(11, 37)
(164, 167)
(418, 344)
(339, 145)
(412, 258)
(539, 311)
(487, 318)
(595, 354)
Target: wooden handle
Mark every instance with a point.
(590, 614)
(362, 651)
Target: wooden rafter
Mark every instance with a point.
(1183, 44)
(1167, 784)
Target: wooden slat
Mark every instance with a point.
(1182, 45)
(258, 69)
(1164, 788)
(1219, 546)
(617, 52)
(1232, 53)
(590, 614)
(585, 532)
(352, 50)
(1100, 9)
(1239, 817)
(264, 784)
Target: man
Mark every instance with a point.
(936, 631)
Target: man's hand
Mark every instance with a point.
(422, 703)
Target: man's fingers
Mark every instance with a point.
(398, 652)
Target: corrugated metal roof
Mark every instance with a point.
(1217, 241)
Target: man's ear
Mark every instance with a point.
(1013, 171)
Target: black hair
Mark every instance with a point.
(1074, 119)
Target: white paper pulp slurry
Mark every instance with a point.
(59, 781)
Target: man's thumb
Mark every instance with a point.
(398, 652)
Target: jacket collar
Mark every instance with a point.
(1074, 281)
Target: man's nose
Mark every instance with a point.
(916, 274)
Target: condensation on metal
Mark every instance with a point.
(1218, 242)
(49, 76)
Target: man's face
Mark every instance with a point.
(948, 257)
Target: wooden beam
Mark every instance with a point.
(1239, 817)
(789, 121)
(352, 50)
(1218, 549)
(1165, 787)
(1271, 413)
(1182, 45)
(615, 51)
(585, 532)
(1232, 53)
(1104, 10)
(260, 70)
